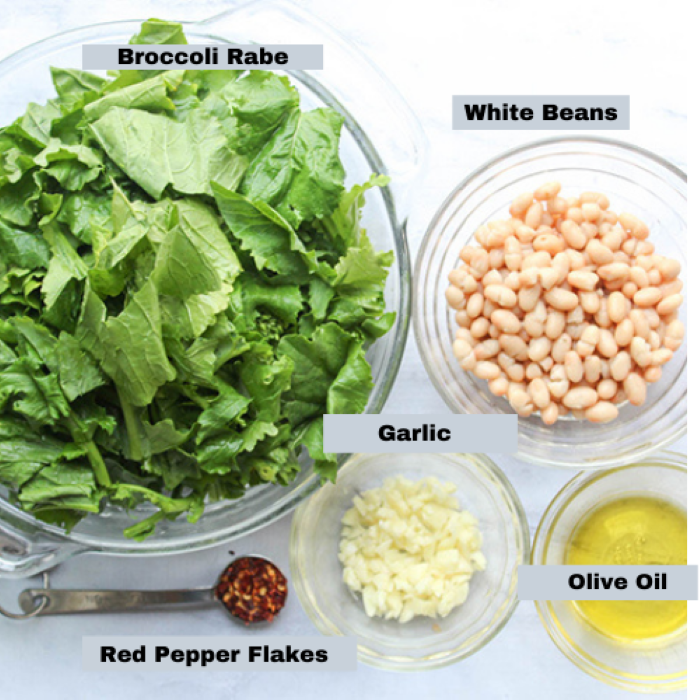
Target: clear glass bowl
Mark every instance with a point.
(380, 135)
(649, 667)
(636, 181)
(483, 490)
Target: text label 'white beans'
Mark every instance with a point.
(570, 112)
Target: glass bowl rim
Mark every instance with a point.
(508, 498)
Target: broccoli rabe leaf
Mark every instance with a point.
(156, 151)
(298, 171)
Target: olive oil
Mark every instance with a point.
(634, 530)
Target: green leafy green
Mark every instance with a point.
(131, 350)
(75, 86)
(151, 95)
(269, 239)
(155, 151)
(298, 171)
(185, 290)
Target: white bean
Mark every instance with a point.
(580, 398)
(624, 333)
(599, 253)
(528, 297)
(590, 302)
(640, 351)
(607, 388)
(607, 346)
(487, 370)
(573, 366)
(614, 272)
(641, 323)
(461, 348)
(549, 276)
(669, 304)
(561, 347)
(675, 332)
(475, 305)
(591, 369)
(649, 296)
(501, 295)
(635, 389)
(521, 204)
(602, 412)
(600, 199)
(620, 366)
(652, 374)
(539, 348)
(539, 393)
(617, 307)
(572, 234)
(591, 211)
(487, 349)
(550, 414)
(491, 277)
(480, 327)
(561, 300)
(547, 191)
(499, 386)
(468, 363)
(455, 297)
(633, 225)
(519, 398)
(514, 346)
(533, 217)
(506, 321)
(555, 324)
(558, 382)
(661, 356)
(669, 269)
(581, 279)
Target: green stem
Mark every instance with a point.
(132, 428)
(144, 528)
(93, 453)
(98, 464)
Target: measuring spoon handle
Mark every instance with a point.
(62, 602)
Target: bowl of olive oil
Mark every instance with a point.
(630, 515)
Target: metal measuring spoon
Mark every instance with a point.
(37, 602)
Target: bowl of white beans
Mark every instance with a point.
(549, 284)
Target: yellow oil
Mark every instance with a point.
(635, 530)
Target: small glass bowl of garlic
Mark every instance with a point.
(469, 522)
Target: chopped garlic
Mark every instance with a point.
(408, 550)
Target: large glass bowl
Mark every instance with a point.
(380, 135)
(423, 643)
(651, 667)
(636, 181)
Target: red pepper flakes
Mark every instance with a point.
(252, 589)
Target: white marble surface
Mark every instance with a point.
(430, 52)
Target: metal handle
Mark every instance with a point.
(63, 602)
(26, 549)
(38, 604)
